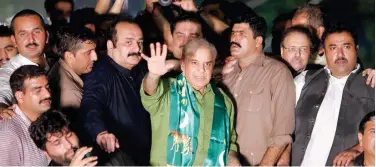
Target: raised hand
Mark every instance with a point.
(150, 5)
(187, 5)
(79, 160)
(107, 141)
(157, 62)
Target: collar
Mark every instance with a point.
(20, 113)
(22, 60)
(353, 71)
(118, 67)
(258, 61)
(208, 88)
(70, 71)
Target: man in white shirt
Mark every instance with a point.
(30, 37)
(332, 103)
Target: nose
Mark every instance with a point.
(94, 56)
(201, 68)
(31, 38)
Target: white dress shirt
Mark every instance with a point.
(6, 95)
(322, 136)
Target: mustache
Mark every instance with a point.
(134, 54)
(235, 43)
(49, 99)
(32, 44)
(296, 59)
(341, 58)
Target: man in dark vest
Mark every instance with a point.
(332, 102)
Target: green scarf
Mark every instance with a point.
(184, 125)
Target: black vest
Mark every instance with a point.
(357, 101)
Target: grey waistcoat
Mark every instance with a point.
(357, 101)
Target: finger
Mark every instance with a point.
(110, 144)
(104, 144)
(373, 82)
(117, 145)
(92, 163)
(82, 152)
(88, 160)
(152, 50)
(164, 50)
(145, 57)
(369, 78)
(177, 3)
(10, 112)
(158, 49)
(347, 162)
(335, 161)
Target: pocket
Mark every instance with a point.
(255, 99)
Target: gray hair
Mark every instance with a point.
(315, 16)
(192, 46)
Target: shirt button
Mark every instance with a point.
(240, 78)
(317, 106)
(250, 92)
(312, 120)
(236, 95)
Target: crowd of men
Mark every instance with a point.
(184, 86)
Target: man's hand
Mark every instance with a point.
(371, 76)
(8, 113)
(345, 157)
(107, 141)
(233, 159)
(229, 66)
(187, 5)
(78, 160)
(157, 62)
(150, 5)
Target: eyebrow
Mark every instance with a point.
(9, 46)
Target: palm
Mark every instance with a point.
(157, 62)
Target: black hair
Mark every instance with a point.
(339, 28)
(23, 73)
(25, 12)
(185, 17)
(50, 122)
(256, 23)
(50, 5)
(315, 16)
(69, 39)
(112, 31)
(209, 2)
(5, 31)
(83, 16)
(369, 117)
(308, 32)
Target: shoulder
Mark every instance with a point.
(275, 65)
(9, 128)
(102, 72)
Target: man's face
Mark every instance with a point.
(7, 50)
(83, 60)
(65, 8)
(183, 33)
(367, 139)
(295, 50)
(129, 44)
(214, 10)
(29, 36)
(341, 53)
(60, 146)
(242, 42)
(36, 96)
(198, 68)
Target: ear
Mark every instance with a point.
(320, 31)
(357, 47)
(19, 95)
(69, 56)
(13, 40)
(110, 47)
(47, 36)
(182, 65)
(282, 50)
(360, 138)
(259, 41)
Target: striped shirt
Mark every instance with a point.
(6, 71)
(17, 147)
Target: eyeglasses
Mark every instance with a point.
(302, 49)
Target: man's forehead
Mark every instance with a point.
(25, 21)
(241, 27)
(189, 26)
(5, 42)
(127, 30)
(36, 81)
(339, 38)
